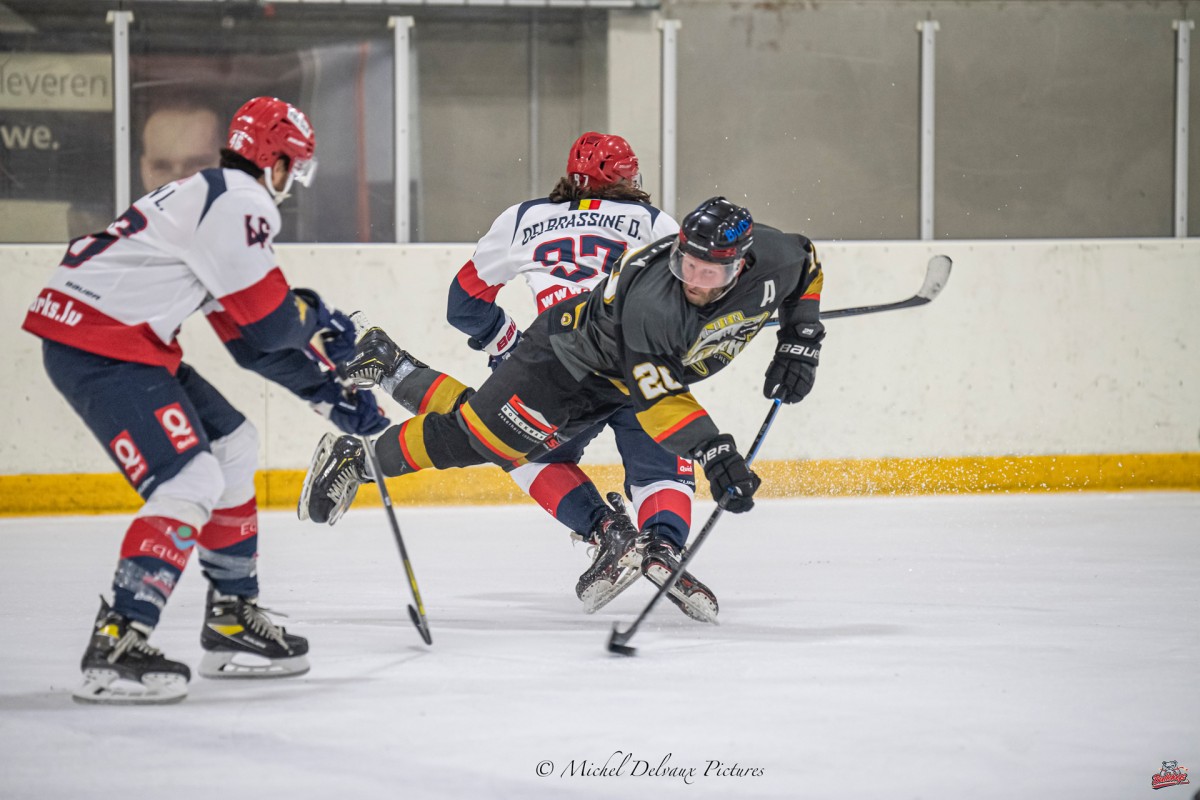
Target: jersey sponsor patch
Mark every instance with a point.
(56, 308)
(526, 420)
(550, 296)
(685, 467)
(129, 457)
(175, 424)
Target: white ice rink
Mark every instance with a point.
(1025, 646)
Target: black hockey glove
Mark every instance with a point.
(730, 478)
(336, 329)
(792, 372)
(353, 412)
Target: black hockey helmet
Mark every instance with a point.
(717, 232)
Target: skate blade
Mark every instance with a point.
(324, 448)
(221, 665)
(343, 506)
(697, 605)
(601, 593)
(105, 687)
(632, 559)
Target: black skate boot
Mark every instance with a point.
(338, 468)
(612, 539)
(241, 641)
(660, 558)
(377, 360)
(120, 668)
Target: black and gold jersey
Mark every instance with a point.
(638, 330)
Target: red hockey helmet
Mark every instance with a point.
(266, 128)
(601, 159)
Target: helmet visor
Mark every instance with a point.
(702, 274)
(303, 171)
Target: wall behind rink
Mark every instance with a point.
(1054, 353)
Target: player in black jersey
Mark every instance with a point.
(672, 314)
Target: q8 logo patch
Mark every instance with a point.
(178, 428)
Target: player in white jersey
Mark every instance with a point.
(564, 245)
(108, 319)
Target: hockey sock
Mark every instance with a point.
(425, 390)
(427, 441)
(153, 556)
(564, 492)
(228, 548)
(664, 512)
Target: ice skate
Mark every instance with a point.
(377, 360)
(660, 558)
(612, 539)
(337, 469)
(121, 668)
(241, 641)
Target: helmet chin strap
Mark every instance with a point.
(278, 195)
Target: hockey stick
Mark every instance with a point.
(618, 642)
(937, 273)
(417, 613)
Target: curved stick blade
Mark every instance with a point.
(422, 628)
(616, 642)
(936, 275)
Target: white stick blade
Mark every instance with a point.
(936, 276)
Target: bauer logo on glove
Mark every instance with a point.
(793, 349)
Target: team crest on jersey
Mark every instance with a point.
(724, 338)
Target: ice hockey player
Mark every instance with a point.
(109, 318)
(564, 245)
(670, 315)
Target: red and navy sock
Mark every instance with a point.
(568, 495)
(154, 554)
(229, 549)
(664, 511)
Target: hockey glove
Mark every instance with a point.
(730, 478)
(353, 412)
(335, 328)
(792, 372)
(501, 345)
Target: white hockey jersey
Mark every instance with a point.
(561, 249)
(125, 292)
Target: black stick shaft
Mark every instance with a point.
(621, 637)
(418, 613)
(937, 272)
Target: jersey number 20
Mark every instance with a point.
(654, 381)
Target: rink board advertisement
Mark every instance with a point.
(56, 144)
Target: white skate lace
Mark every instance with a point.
(132, 640)
(256, 620)
(364, 374)
(341, 484)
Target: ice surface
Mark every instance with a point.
(1027, 646)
